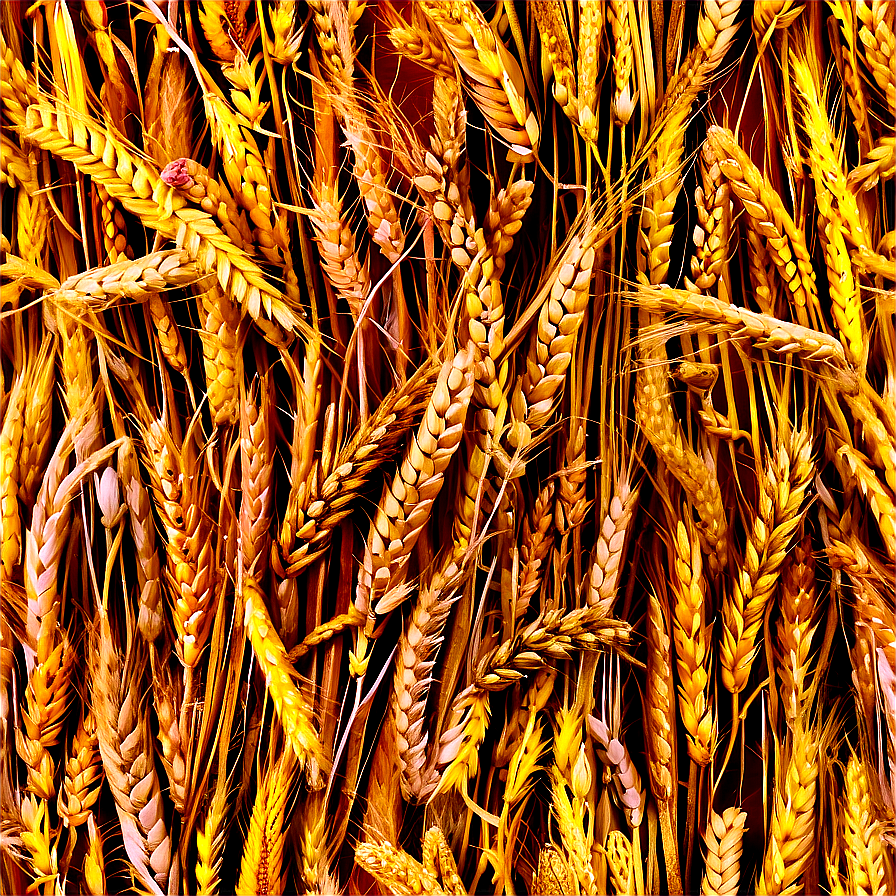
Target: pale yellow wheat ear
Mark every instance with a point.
(724, 847)
(291, 705)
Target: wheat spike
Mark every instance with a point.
(261, 868)
(788, 851)
(691, 641)
(292, 707)
(724, 846)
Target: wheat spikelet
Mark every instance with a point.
(615, 756)
(763, 331)
(789, 848)
(570, 814)
(691, 637)
(256, 459)
(261, 868)
(212, 19)
(876, 35)
(553, 342)
(396, 871)
(420, 639)
(10, 443)
(623, 101)
(591, 30)
(292, 707)
(839, 212)
(221, 354)
(150, 619)
(339, 254)
(711, 233)
(35, 444)
(36, 835)
(656, 418)
(437, 855)
(774, 15)
(371, 175)
(167, 702)
(880, 165)
(134, 279)
(660, 704)
(196, 185)
(609, 551)
(619, 858)
(879, 497)
(535, 545)
(553, 876)
(414, 40)
(211, 837)
(724, 846)
(312, 515)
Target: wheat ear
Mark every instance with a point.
(795, 629)
(656, 417)
(190, 571)
(603, 577)
(83, 774)
(494, 76)
(783, 489)
(786, 242)
(789, 850)
(261, 868)
(407, 503)
(724, 846)
(865, 861)
(691, 642)
(125, 744)
(291, 706)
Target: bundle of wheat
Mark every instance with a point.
(447, 447)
